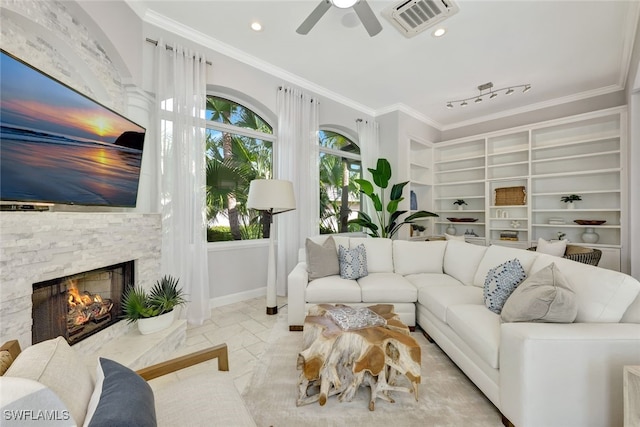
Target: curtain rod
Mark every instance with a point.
(168, 47)
(301, 95)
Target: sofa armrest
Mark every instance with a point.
(220, 352)
(565, 374)
(297, 286)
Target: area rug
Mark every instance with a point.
(446, 396)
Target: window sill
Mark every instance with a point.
(236, 245)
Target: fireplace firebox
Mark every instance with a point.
(80, 305)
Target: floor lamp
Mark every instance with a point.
(274, 196)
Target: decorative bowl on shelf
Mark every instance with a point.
(589, 221)
(462, 219)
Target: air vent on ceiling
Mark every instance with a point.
(411, 17)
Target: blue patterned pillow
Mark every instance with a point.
(500, 282)
(353, 262)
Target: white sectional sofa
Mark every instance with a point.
(536, 374)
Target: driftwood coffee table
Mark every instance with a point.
(337, 362)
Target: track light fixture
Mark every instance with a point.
(490, 92)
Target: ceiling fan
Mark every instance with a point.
(362, 9)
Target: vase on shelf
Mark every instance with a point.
(451, 230)
(413, 201)
(590, 236)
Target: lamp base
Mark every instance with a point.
(272, 310)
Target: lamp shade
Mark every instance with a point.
(271, 194)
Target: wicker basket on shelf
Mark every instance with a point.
(511, 196)
(581, 254)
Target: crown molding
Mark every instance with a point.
(195, 36)
(631, 26)
(409, 111)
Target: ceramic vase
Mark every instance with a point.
(155, 324)
(590, 236)
(451, 230)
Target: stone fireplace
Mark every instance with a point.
(78, 306)
(41, 246)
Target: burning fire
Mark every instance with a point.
(86, 306)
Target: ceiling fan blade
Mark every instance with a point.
(367, 17)
(314, 17)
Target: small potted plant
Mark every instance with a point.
(460, 203)
(570, 199)
(154, 310)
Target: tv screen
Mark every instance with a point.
(59, 146)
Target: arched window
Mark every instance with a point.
(239, 149)
(340, 199)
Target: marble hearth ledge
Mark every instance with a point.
(137, 351)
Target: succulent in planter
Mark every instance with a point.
(460, 202)
(571, 198)
(163, 297)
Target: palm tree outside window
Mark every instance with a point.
(340, 198)
(239, 149)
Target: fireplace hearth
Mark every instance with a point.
(80, 305)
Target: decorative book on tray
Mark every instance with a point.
(349, 318)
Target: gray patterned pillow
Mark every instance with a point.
(500, 282)
(353, 262)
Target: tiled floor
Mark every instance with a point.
(244, 326)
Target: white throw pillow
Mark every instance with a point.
(452, 237)
(55, 364)
(22, 396)
(556, 248)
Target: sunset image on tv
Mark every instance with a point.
(59, 146)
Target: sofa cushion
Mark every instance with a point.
(23, 395)
(432, 279)
(379, 253)
(110, 406)
(479, 328)
(438, 298)
(454, 237)
(603, 295)
(322, 260)
(55, 364)
(332, 289)
(353, 262)
(387, 287)
(418, 257)
(500, 282)
(545, 296)
(555, 248)
(461, 260)
(496, 255)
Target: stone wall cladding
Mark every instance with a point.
(56, 20)
(38, 246)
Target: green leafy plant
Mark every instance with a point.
(460, 202)
(571, 198)
(388, 222)
(163, 297)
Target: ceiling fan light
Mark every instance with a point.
(509, 92)
(344, 4)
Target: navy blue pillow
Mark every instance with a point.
(125, 399)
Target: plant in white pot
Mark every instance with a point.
(154, 310)
(570, 199)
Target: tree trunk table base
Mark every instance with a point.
(337, 362)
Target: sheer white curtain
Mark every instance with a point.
(297, 161)
(369, 153)
(180, 89)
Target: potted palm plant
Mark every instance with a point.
(460, 203)
(154, 310)
(385, 226)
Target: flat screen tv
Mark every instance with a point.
(59, 146)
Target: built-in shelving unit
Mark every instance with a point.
(581, 155)
(420, 156)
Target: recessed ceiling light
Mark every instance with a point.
(439, 32)
(256, 26)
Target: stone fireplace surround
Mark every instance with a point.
(39, 246)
